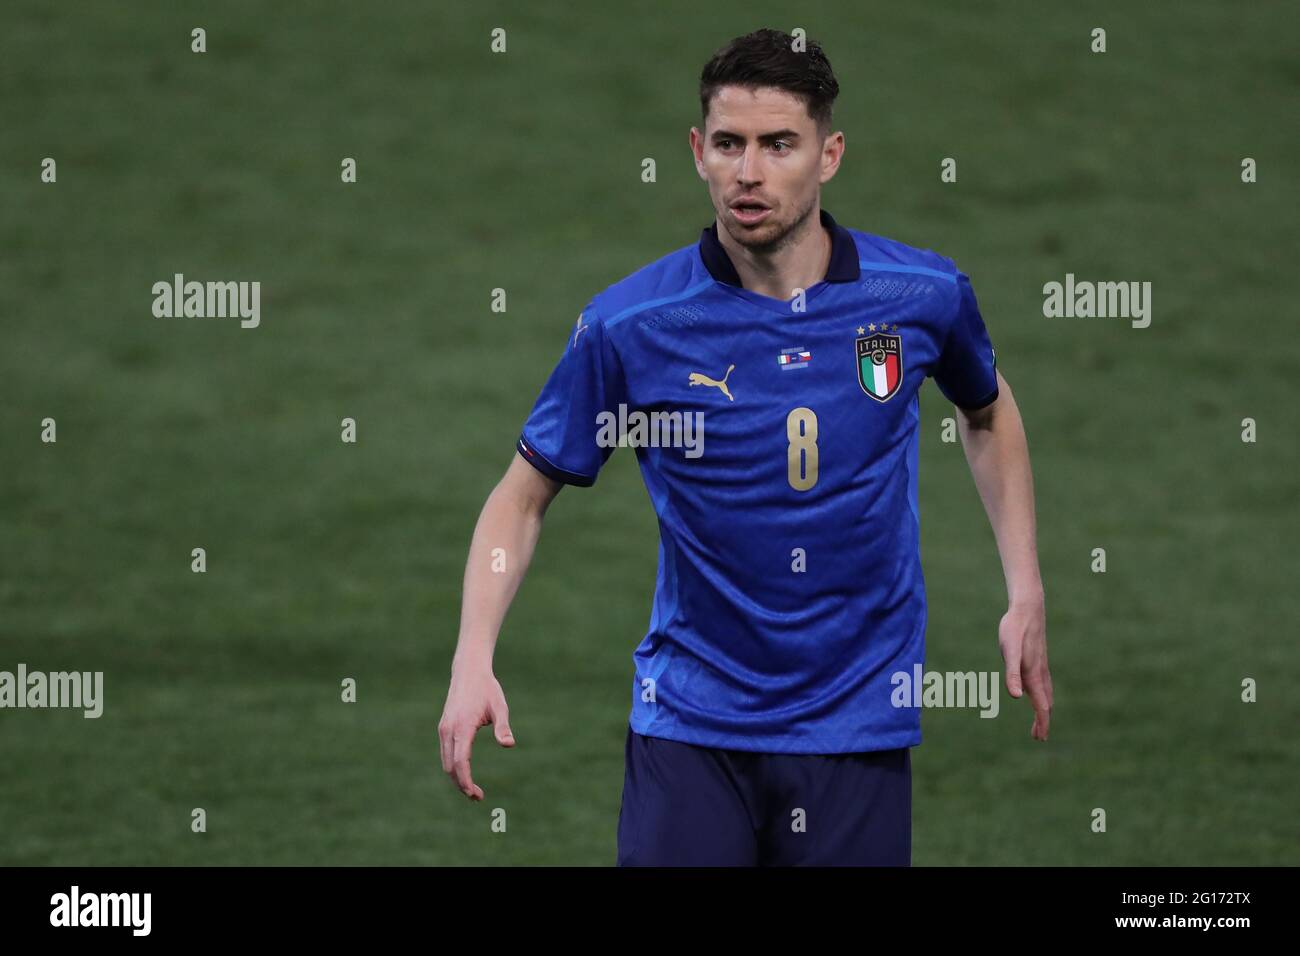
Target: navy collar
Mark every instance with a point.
(843, 266)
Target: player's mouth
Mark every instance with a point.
(749, 212)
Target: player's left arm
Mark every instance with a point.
(993, 438)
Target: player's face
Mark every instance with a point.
(764, 161)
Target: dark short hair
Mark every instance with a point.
(766, 58)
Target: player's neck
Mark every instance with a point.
(798, 264)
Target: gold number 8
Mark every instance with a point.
(801, 454)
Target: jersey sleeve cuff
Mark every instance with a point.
(962, 403)
(549, 468)
(984, 402)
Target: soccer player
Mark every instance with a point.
(784, 354)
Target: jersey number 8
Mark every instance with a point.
(801, 453)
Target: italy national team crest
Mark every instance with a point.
(880, 364)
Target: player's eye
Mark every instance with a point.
(781, 142)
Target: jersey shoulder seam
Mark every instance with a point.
(666, 280)
(880, 253)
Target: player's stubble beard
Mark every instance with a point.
(765, 245)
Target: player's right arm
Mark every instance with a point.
(511, 520)
(561, 441)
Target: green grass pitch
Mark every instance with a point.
(522, 171)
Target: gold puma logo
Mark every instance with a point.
(699, 378)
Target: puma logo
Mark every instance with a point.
(699, 378)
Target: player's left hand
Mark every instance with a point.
(1022, 637)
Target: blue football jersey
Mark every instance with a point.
(781, 460)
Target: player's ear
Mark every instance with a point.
(832, 154)
(696, 140)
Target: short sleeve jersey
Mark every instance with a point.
(778, 443)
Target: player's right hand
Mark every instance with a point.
(474, 698)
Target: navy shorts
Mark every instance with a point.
(687, 805)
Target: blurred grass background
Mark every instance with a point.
(522, 171)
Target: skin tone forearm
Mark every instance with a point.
(998, 454)
(511, 521)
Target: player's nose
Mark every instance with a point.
(749, 172)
